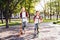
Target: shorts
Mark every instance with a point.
(23, 25)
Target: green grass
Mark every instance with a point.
(58, 22)
(48, 20)
(44, 20)
(12, 23)
(31, 21)
(18, 22)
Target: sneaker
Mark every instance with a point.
(37, 32)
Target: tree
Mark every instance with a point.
(54, 8)
(8, 8)
(31, 5)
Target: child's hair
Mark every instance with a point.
(37, 11)
(23, 7)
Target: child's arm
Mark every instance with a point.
(41, 20)
(21, 15)
(34, 18)
(27, 14)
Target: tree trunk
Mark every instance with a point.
(2, 21)
(29, 17)
(57, 16)
(10, 17)
(7, 25)
(57, 11)
(2, 18)
(29, 12)
(1, 15)
(50, 16)
(44, 15)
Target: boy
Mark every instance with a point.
(24, 16)
(37, 19)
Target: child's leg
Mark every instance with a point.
(35, 29)
(24, 25)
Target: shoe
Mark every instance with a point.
(37, 32)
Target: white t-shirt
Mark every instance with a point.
(23, 14)
(37, 20)
(24, 18)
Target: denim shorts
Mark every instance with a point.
(23, 25)
(36, 26)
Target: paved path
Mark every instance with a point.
(46, 32)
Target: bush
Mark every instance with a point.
(54, 22)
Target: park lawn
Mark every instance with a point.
(11, 24)
(18, 22)
(14, 22)
(58, 23)
(44, 20)
(48, 20)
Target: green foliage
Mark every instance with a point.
(54, 6)
(15, 6)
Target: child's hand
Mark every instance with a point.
(41, 21)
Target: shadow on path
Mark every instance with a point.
(12, 37)
(16, 37)
(2, 29)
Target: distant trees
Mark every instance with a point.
(53, 8)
